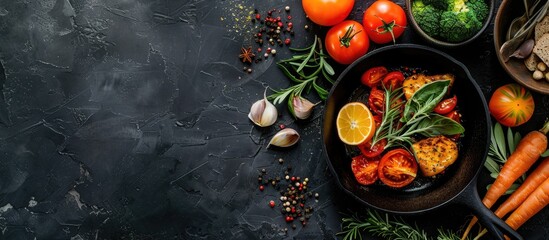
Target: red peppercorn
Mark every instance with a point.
(257, 16)
(293, 209)
(293, 179)
(282, 126)
(278, 19)
(289, 17)
(259, 49)
(287, 41)
(290, 25)
(280, 24)
(272, 204)
(261, 188)
(288, 219)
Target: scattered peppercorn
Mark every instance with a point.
(287, 8)
(261, 188)
(272, 204)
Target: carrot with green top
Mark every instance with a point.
(525, 155)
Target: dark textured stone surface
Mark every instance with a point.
(128, 120)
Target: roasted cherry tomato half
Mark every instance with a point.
(373, 76)
(445, 106)
(377, 120)
(393, 80)
(376, 101)
(372, 151)
(397, 168)
(365, 169)
(454, 115)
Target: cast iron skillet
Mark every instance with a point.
(458, 184)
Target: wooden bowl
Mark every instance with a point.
(508, 10)
(444, 44)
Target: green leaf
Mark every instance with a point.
(291, 105)
(322, 93)
(435, 125)
(545, 154)
(288, 74)
(425, 99)
(494, 175)
(308, 57)
(327, 67)
(512, 188)
(510, 140)
(517, 139)
(491, 165)
(500, 139)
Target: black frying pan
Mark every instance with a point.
(458, 184)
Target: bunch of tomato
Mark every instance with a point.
(347, 40)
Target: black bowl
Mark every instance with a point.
(445, 44)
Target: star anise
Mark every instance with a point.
(246, 54)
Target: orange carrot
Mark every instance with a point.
(533, 181)
(525, 155)
(532, 205)
(526, 188)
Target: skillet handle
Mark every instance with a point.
(486, 217)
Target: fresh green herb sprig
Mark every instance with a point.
(500, 149)
(417, 117)
(305, 70)
(387, 228)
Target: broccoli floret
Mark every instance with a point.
(427, 17)
(438, 4)
(480, 8)
(463, 19)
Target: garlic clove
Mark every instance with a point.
(284, 138)
(302, 108)
(524, 49)
(263, 113)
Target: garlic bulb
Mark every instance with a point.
(284, 138)
(302, 108)
(263, 113)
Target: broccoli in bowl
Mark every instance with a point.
(450, 20)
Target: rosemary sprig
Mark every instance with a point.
(499, 150)
(304, 70)
(387, 228)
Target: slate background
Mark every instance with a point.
(127, 119)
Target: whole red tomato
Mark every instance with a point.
(347, 41)
(365, 169)
(511, 105)
(397, 168)
(384, 21)
(327, 12)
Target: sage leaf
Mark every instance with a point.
(425, 99)
(545, 154)
(510, 140)
(435, 125)
(491, 165)
(500, 139)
